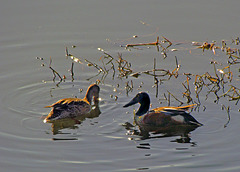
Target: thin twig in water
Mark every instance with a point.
(143, 44)
(54, 71)
(175, 98)
(228, 113)
(155, 78)
(72, 74)
(66, 51)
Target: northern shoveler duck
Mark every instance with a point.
(162, 118)
(73, 107)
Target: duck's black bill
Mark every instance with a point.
(132, 102)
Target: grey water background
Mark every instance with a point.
(31, 29)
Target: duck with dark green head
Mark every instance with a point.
(162, 119)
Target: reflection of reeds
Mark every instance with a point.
(54, 72)
(228, 113)
(233, 93)
(216, 83)
(155, 72)
(74, 59)
(128, 87)
(187, 93)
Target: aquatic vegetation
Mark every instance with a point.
(54, 71)
(219, 82)
(157, 44)
(123, 69)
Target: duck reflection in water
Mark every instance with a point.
(169, 121)
(73, 123)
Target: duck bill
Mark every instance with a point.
(132, 102)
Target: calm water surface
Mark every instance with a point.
(43, 29)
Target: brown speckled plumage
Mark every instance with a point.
(73, 107)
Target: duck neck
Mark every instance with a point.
(89, 96)
(144, 107)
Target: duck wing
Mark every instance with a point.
(69, 107)
(184, 108)
(66, 102)
(156, 119)
(171, 116)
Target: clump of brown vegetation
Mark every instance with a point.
(222, 83)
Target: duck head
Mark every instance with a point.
(93, 91)
(143, 99)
